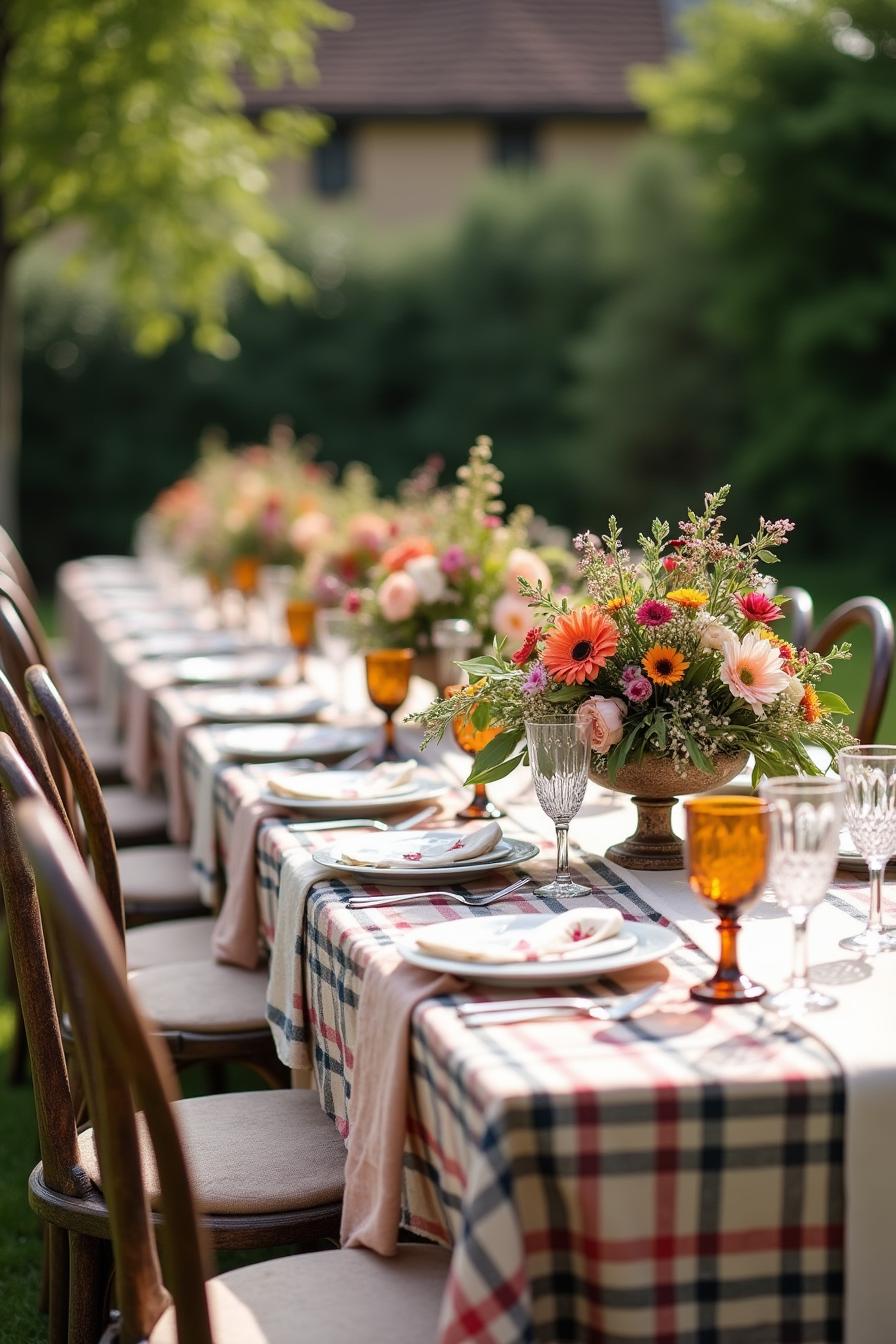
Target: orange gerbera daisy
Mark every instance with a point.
(690, 598)
(664, 665)
(579, 645)
(617, 603)
(811, 705)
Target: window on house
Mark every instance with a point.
(332, 163)
(515, 143)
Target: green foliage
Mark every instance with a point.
(791, 112)
(123, 119)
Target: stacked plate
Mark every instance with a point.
(352, 793)
(421, 856)
(285, 741)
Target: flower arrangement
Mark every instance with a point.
(463, 559)
(673, 654)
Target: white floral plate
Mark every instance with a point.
(638, 944)
(423, 789)
(517, 851)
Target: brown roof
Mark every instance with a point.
(430, 57)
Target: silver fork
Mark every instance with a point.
(503, 1013)
(404, 897)
(366, 823)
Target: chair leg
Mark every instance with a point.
(57, 1284)
(88, 1283)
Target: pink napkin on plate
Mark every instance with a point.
(390, 991)
(235, 939)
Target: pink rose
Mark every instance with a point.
(511, 619)
(398, 596)
(603, 718)
(524, 564)
(308, 531)
(368, 532)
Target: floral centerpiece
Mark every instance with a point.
(673, 667)
(462, 560)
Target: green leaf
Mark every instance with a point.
(481, 716)
(480, 776)
(833, 702)
(698, 757)
(493, 754)
(617, 758)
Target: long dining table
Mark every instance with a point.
(690, 1174)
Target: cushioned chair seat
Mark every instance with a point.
(328, 1297)
(105, 755)
(135, 818)
(158, 875)
(201, 996)
(171, 941)
(249, 1152)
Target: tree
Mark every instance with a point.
(124, 121)
(791, 111)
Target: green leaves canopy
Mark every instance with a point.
(124, 119)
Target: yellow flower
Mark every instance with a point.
(664, 665)
(689, 598)
(617, 603)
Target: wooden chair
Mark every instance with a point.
(137, 818)
(20, 571)
(875, 615)
(800, 612)
(77, 694)
(268, 1165)
(155, 882)
(206, 1012)
(330, 1297)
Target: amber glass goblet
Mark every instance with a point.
(472, 739)
(300, 624)
(727, 840)
(244, 573)
(388, 678)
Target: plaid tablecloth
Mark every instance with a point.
(679, 1177)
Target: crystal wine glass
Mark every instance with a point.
(275, 582)
(727, 857)
(388, 680)
(471, 740)
(807, 813)
(869, 775)
(559, 756)
(337, 634)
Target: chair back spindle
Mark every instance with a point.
(875, 615)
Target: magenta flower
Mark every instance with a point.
(653, 613)
(629, 672)
(536, 681)
(638, 689)
(454, 558)
(758, 607)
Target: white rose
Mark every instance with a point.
(427, 575)
(714, 635)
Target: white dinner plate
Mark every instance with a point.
(422, 789)
(640, 943)
(186, 643)
(270, 741)
(234, 704)
(260, 666)
(517, 851)
(851, 860)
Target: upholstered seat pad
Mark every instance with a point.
(328, 1297)
(170, 941)
(106, 755)
(249, 1152)
(158, 874)
(134, 814)
(202, 996)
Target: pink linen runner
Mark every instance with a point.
(235, 940)
(390, 991)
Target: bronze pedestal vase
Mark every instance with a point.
(655, 786)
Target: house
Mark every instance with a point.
(426, 95)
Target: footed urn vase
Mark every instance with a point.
(655, 786)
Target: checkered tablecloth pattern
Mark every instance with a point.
(675, 1179)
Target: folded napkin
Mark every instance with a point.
(235, 940)
(343, 786)
(420, 849)
(494, 938)
(390, 991)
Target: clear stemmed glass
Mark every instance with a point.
(869, 775)
(807, 813)
(337, 635)
(559, 755)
